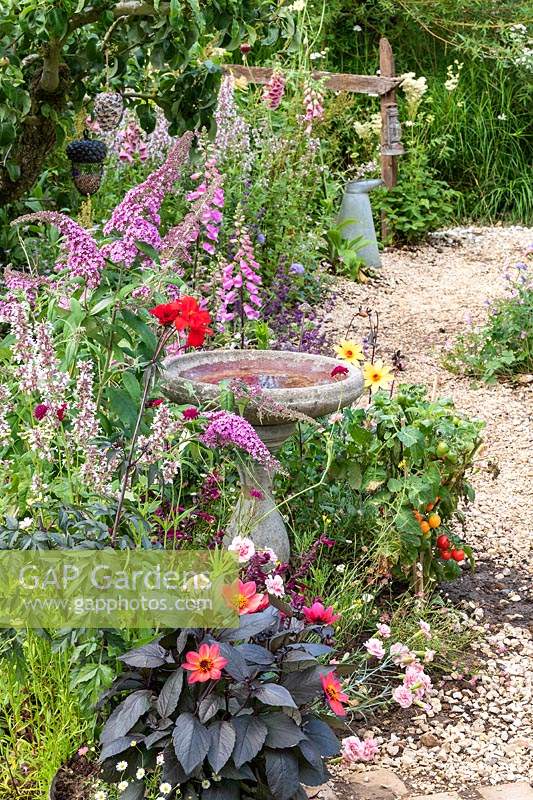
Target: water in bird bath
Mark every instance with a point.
(267, 373)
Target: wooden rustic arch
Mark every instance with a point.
(383, 86)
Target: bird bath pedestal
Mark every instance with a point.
(291, 384)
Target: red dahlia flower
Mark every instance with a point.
(335, 697)
(186, 315)
(165, 313)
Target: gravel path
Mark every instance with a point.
(482, 730)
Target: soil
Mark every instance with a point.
(75, 781)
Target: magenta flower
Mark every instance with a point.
(191, 413)
(226, 429)
(274, 91)
(339, 370)
(240, 279)
(84, 259)
(40, 411)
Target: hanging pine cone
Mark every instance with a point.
(86, 151)
(108, 108)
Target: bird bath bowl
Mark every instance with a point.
(289, 384)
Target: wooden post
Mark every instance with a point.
(389, 164)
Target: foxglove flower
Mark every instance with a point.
(274, 91)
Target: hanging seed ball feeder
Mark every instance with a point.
(108, 109)
(87, 159)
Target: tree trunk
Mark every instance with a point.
(37, 136)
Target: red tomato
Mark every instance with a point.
(446, 554)
(443, 542)
(458, 555)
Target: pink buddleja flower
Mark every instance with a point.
(83, 258)
(313, 99)
(137, 216)
(20, 283)
(226, 429)
(240, 279)
(354, 749)
(384, 630)
(403, 696)
(274, 91)
(375, 648)
(243, 547)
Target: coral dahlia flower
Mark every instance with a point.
(377, 375)
(244, 597)
(205, 665)
(334, 694)
(349, 351)
(318, 615)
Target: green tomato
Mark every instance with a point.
(442, 449)
(452, 457)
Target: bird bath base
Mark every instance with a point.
(256, 513)
(288, 382)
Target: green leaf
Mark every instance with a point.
(132, 386)
(409, 436)
(140, 328)
(122, 405)
(395, 485)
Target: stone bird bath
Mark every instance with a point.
(290, 383)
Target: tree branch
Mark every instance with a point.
(127, 8)
(49, 81)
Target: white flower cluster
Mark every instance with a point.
(453, 73)
(369, 129)
(414, 89)
(520, 46)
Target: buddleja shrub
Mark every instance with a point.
(251, 730)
